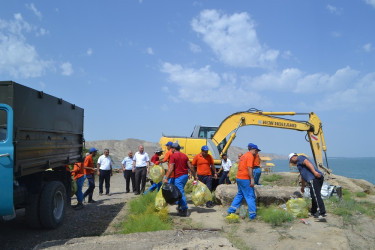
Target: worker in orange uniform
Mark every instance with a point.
(257, 171)
(89, 172)
(78, 173)
(166, 159)
(205, 169)
(245, 182)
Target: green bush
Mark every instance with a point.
(272, 178)
(361, 194)
(143, 216)
(274, 215)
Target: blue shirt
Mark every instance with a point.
(128, 163)
(306, 174)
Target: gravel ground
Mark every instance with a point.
(92, 220)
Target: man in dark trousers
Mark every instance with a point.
(314, 178)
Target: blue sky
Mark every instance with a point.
(143, 68)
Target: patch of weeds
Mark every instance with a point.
(272, 178)
(361, 194)
(143, 217)
(347, 208)
(237, 241)
(274, 215)
(250, 230)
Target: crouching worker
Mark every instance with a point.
(179, 165)
(155, 160)
(314, 178)
(245, 182)
(79, 176)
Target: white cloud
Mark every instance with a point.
(17, 57)
(334, 10)
(336, 34)
(371, 2)
(89, 52)
(195, 48)
(205, 86)
(150, 51)
(367, 47)
(66, 69)
(34, 10)
(233, 39)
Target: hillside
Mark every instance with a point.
(118, 149)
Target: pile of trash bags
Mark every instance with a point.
(297, 207)
(201, 194)
(233, 172)
(157, 173)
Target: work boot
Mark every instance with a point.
(91, 201)
(183, 213)
(79, 206)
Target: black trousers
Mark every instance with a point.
(206, 179)
(129, 175)
(140, 179)
(105, 175)
(91, 186)
(316, 198)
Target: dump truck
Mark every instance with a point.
(39, 136)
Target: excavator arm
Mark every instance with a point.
(313, 127)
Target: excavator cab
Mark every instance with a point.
(208, 133)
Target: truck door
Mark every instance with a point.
(6, 160)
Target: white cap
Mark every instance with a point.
(291, 155)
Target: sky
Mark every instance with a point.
(140, 68)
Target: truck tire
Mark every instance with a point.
(52, 204)
(32, 211)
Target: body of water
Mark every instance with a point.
(357, 168)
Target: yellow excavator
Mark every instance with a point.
(218, 139)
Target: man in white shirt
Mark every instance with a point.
(104, 171)
(127, 168)
(141, 166)
(226, 164)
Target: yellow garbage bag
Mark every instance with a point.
(160, 201)
(201, 194)
(297, 207)
(189, 186)
(233, 172)
(157, 173)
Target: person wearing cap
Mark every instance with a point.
(166, 159)
(89, 169)
(226, 164)
(314, 178)
(245, 182)
(257, 171)
(127, 168)
(180, 165)
(104, 170)
(141, 166)
(155, 160)
(205, 169)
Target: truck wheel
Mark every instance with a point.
(52, 204)
(32, 211)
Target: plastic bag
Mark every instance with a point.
(242, 212)
(73, 187)
(233, 172)
(297, 207)
(160, 201)
(171, 193)
(157, 173)
(233, 218)
(189, 186)
(201, 194)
